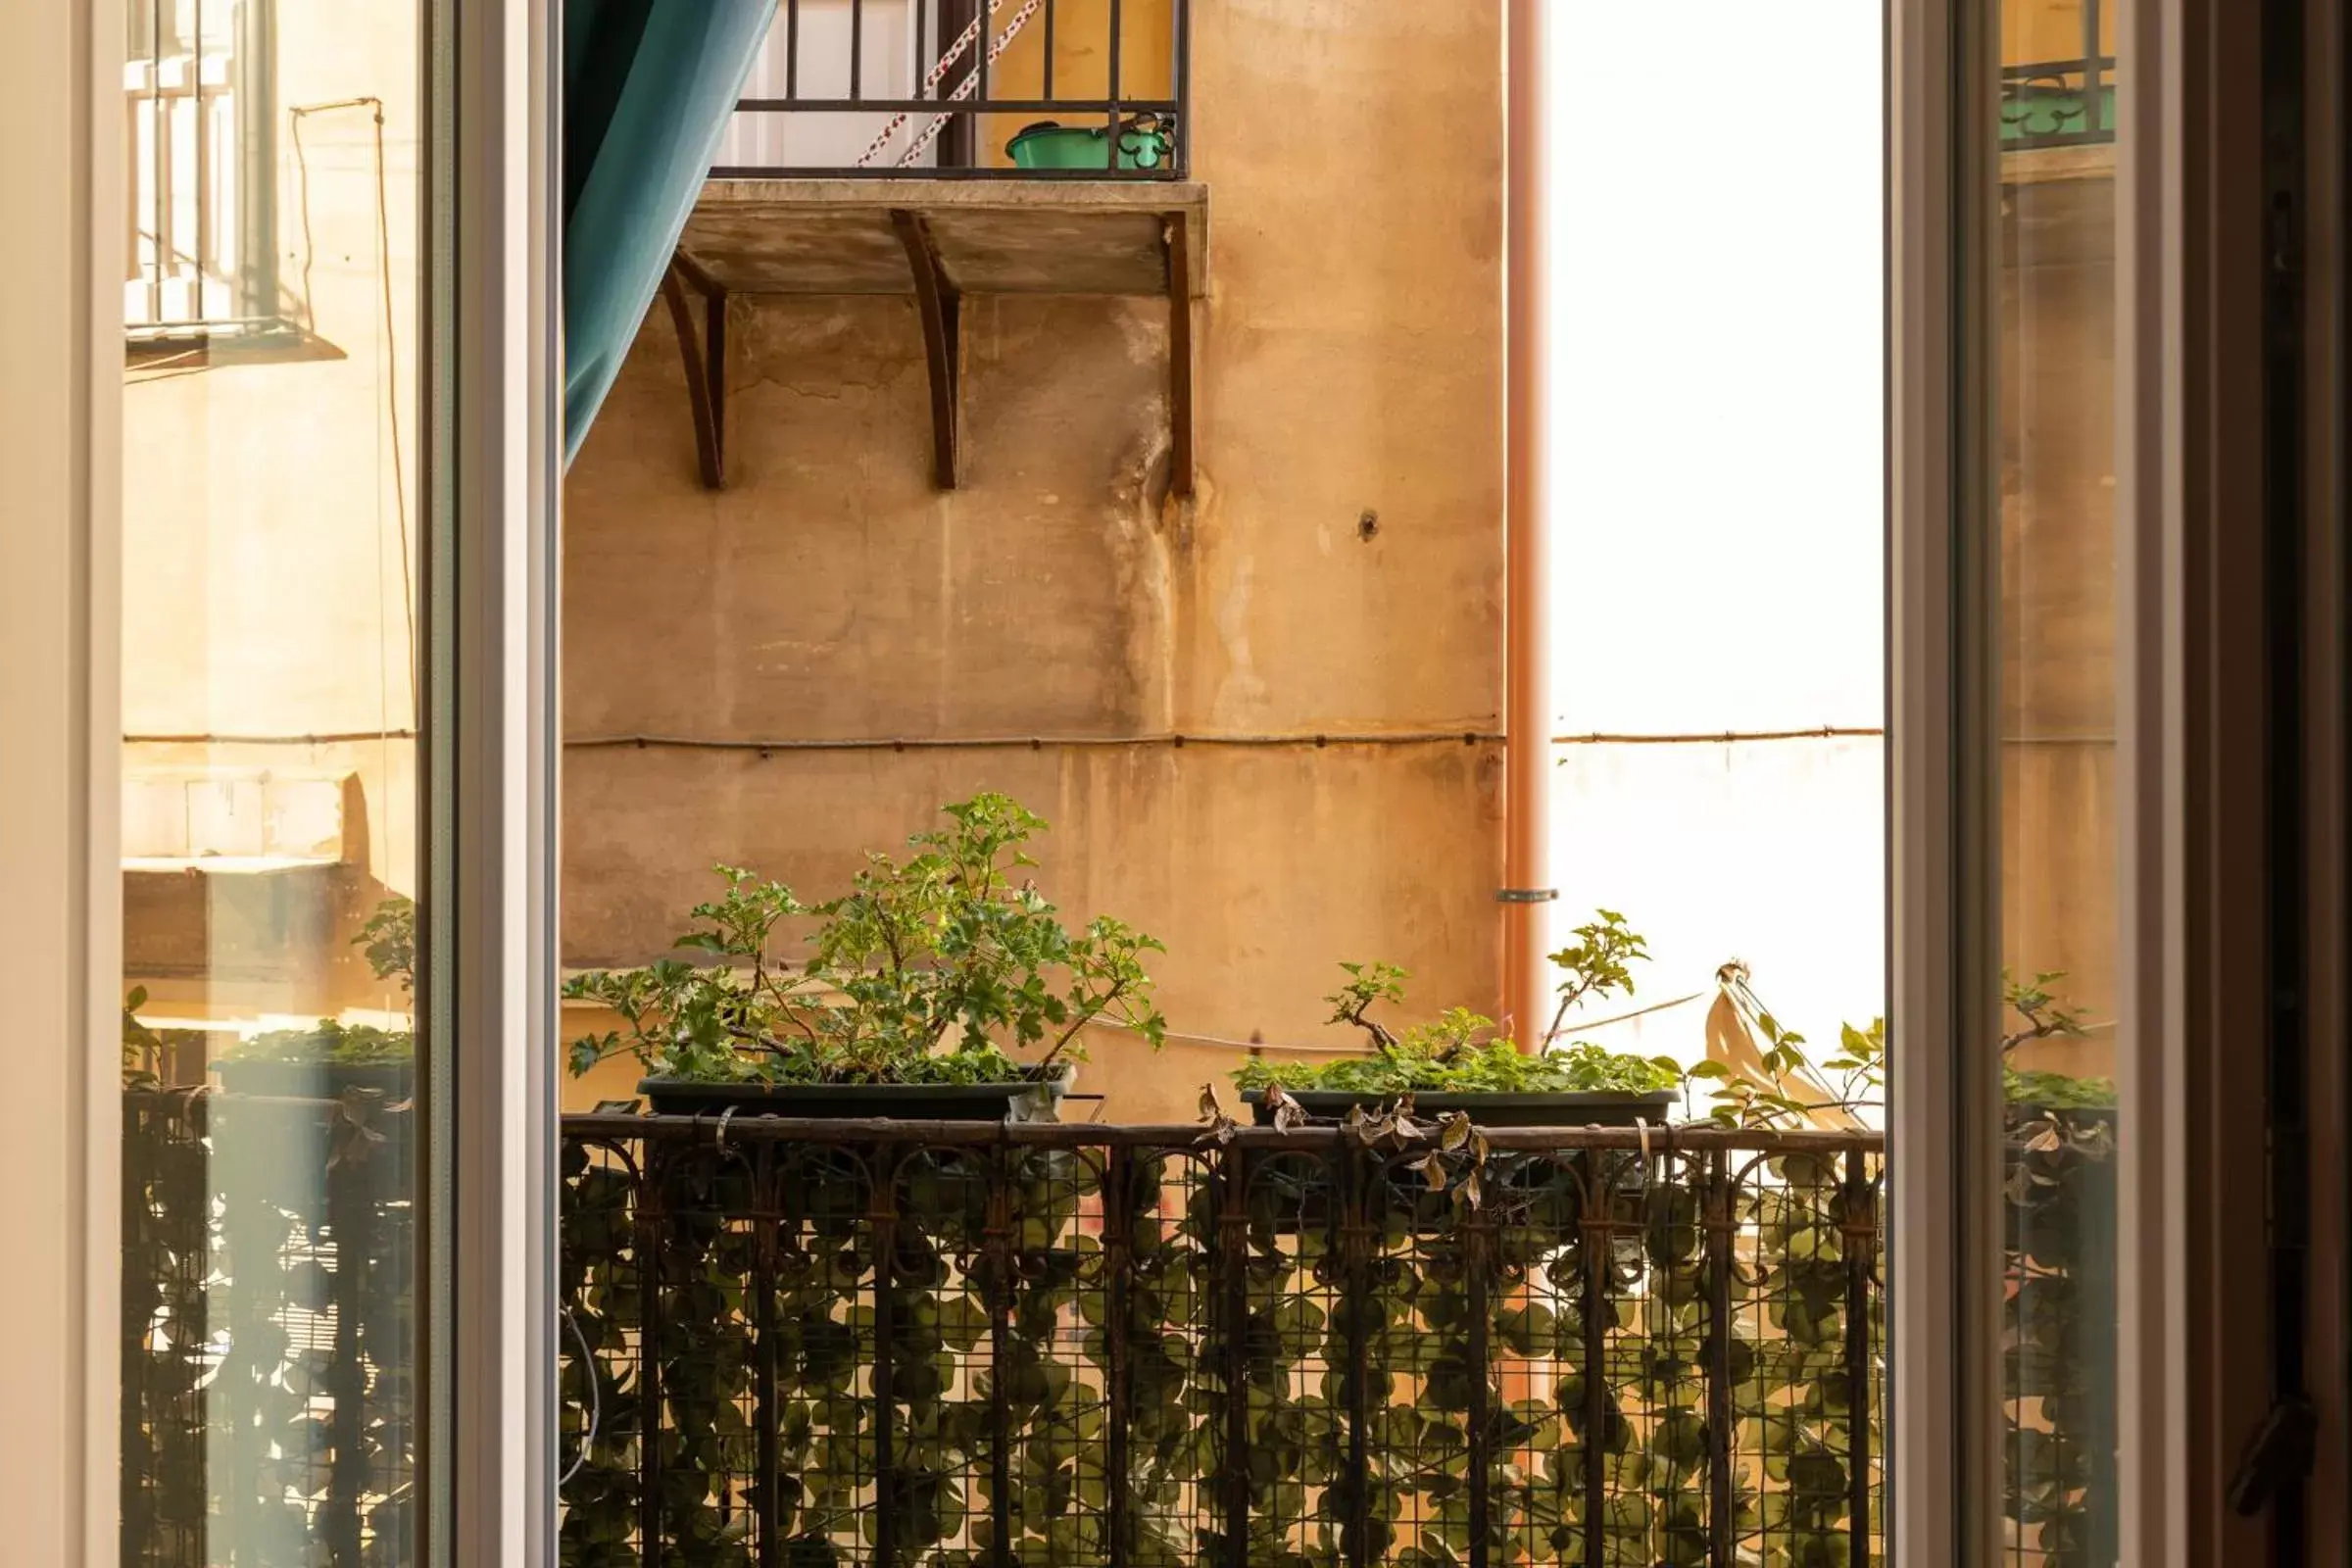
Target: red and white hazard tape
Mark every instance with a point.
(963, 89)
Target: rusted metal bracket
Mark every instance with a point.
(940, 307)
(706, 362)
(1179, 354)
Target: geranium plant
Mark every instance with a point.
(931, 969)
(1463, 1051)
(388, 940)
(2043, 1014)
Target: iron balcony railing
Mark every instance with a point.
(2060, 102)
(915, 89)
(2065, 102)
(792, 1344)
(819, 1342)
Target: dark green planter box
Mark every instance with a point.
(1032, 1099)
(1561, 1109)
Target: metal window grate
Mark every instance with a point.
(914, 89)
(199, 221)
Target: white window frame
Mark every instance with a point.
(61, 313)
(497, 446)
(2194, 1358)
(1925, 1436)
(492, 474)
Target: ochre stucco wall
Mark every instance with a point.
(1349, 364)
(2060, 904)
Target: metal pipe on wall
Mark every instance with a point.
(1527, 643)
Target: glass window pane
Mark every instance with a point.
(2050, 511)
(271, 806)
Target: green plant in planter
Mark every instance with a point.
(1792, 1092)
(2056, 1091)
(2059, 1313)
(928, 970)
(1463, 1051)
(2044, 1015)
(142, 1047)
(1857, 1073)
(329, 1041)
(389, 940)
(1595, 964)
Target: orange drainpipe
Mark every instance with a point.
(1527, 641)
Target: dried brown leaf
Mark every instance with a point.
(1221, 1127)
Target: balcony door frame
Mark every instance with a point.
(495, 468)
(59, 877)
(2194, 808)
(2231, 692)
(487, 920)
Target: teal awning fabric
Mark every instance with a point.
(648, 87)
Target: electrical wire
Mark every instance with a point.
(1357, 1050)
(296, 115)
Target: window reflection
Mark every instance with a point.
(2054, 293)
(271, 866)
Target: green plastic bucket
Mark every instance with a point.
(1144, 143)
(2040, 114)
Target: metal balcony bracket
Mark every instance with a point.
(706, 362)
(940, 307)
(1176, 237)
(942, 242)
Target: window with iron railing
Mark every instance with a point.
(2057, 78)
(200, 212)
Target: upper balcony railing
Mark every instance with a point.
(2057, 76)
(2058, 103)
(966, 89)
